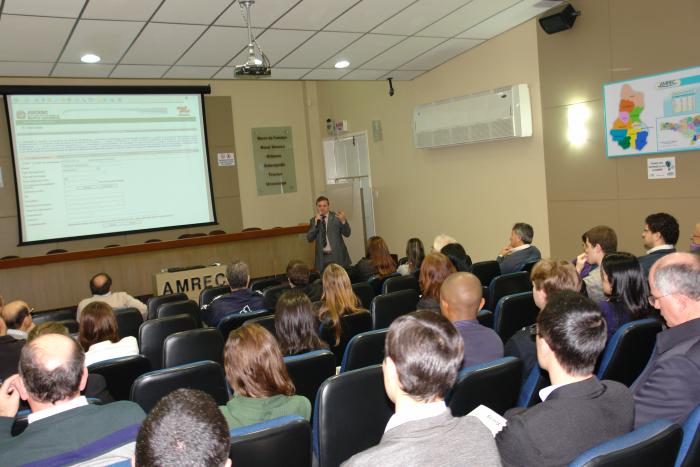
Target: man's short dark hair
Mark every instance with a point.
(322, 198)
(665, 224)
(601, 235)
(185, 427)
(237, 274)
(575, 330)
(102, 289)
(428, 353)
(524, 231)
(298, 273)
(50, 386)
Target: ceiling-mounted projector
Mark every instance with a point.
(257, 64)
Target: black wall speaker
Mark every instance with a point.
(560, 20)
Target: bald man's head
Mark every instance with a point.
(461, 296)
(16, 315)
(51, 367)
(100, 283)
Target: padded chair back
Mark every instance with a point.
(365, 293)
(280, 441)
(193, 346)
(494, 384)
(689, 453)
(153, 332)
(120, 373)
(486, 271)
(394, 284)
(271, 294)
(206, 376)
(508, 284)
(485, 318)
(128, 321)
(70, 324)
(655, 444)
(527, 267)
(350, 415)
(210, 293)
(530, 392)
(352, 324)
(55, 315)
(236, 320)
(314, 276)
(156, 301)
(268, 322)
(628, 351)
(386, 308)
(365, 349)
(377, 282)
(263, 283)
(182, 307)
(309, 370)
(514, 312)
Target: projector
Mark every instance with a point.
(251, 71)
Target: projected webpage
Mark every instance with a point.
(96, 164)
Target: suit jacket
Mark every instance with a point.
(10, 349)
(574, 418)
(648, 260)
(336, 230)
(442, 440)
(514, 262)
(668, 386)
(69, 431)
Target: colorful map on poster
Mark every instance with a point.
(653, 114)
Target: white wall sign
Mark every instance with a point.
(226, 159)
(661, 167)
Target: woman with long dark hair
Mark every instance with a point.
(414, 257)
(98, 335)
(377, 261)
(296, 324)
(626, 287)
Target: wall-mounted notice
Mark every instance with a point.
(661, 167)
(226, 159)
(274, 160)
(653, 114)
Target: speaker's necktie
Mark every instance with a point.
(323, 231)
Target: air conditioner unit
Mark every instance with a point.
(497, 114)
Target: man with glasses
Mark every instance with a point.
(18, 318)
(668, 387)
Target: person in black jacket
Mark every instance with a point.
(240, 299)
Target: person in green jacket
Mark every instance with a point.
(259, 379)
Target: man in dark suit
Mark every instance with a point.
(519, 250)
(63, 428)
(660, 236)
(328, 229)
(577, 411)
(668, 387)
(241, 299)
(10, 349)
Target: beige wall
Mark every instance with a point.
(612, 40)
(472, 192)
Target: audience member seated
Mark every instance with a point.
(668, 387)
(660, 236)
(458, 257)
(185, 428)
(597, 242)
(99, 336)
(18, 319)
(695, 240)
(51, 375)
(625, 285)
(548, 277)
(10, 349)
(577, 411)
(433, 272)
(259, 379)
(377, 261)
(100, 286)
(414, 257)
(296, 325)
(48, 327)
(423, 355)
(298, 274)
(460, 301)
(338, 299)
(441, 241)
(519, 250)
(240, 299)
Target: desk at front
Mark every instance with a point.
(61, 280)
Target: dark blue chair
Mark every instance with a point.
(387, 307)
(236, 320)
(486, 271)
(628, 351)
(365, 349)
(530, 390)
(210, 293)
(507, 284)
(193, 346)
(485, 318)
(280, 441)
(128, 321)
(655, 444)
(352, 324)
(394, 284)
(514, 312)
(377, 282)
(309, 370)
(157, 300)
(364, 292)
(120, 373)
(689, 453)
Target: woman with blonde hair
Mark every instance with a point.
(433, 272)
(259, 379)
(99, 336)
(338, 299)
(377, 261)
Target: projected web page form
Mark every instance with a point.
(94, 164)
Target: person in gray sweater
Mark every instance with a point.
(423, 355)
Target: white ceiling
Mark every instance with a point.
(205, 39)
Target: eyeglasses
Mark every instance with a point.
(652, 299)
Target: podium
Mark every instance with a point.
(189, 281)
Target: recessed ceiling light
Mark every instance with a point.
(342, 64)
(90, 58)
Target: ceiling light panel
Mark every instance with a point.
(139, 71)
(216, 46)
(191, 12)
(127, 10)
(325, 73)
(440, 54)
(367, 14)
(417, 16)
(403, 52)
(364, 49)
(262, 14)
(62, 8)
(401, 75)
(317, 49)
(313, 14)
(276, 44)
(466, 17)
(364, 75)
(108, 39)
(191, 72)
(82, 70)
(25, 69)
(162, 44)
(43, 44)
(507, 19)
